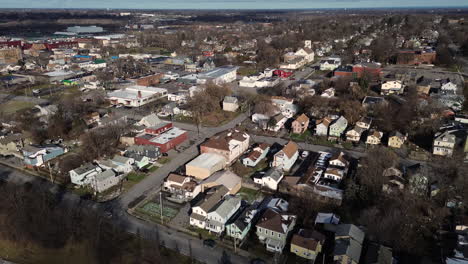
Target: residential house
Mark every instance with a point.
(230, 144)
(140, 161)
(36, 155)
(205, 165)
(364, 122)
(181, 187)
(286, 157)
(277, 122)
(274, 228)
(118, 163)
(300, 125)
(394, 180)
(307, 53)
(339, 160)
(354, 134)
(307, 243)
(374, 137)
(322, 125)
(151, 120)
(334, 174)
(218, 216)
(330, 64)
(449, 87)
(228, 179)
(285, 105)
(348, 244)
(337, 128)
(256, 155)
(392, 87)
(396, 139)
(105, 180)
(328, 93)
(269, 179)
(444, 144)
(84, 174)
(201, 208)
(239, 225)
(230, 104)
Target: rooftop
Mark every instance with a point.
(168, 136)
(207, 160)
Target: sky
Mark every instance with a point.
(228, 4)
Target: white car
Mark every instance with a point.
(305, 154)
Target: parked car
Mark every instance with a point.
(209, 243)
(305, 154)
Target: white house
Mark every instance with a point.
(307, 53)
(374, 137)
(449, 86)
(256, 155)
(330, 64)
(217, 217)
(182, 187)
(444, 144)
(334, 174)
(270, 179)
(286, 157)
(230, 104)
(285, 105)
(84, 174)
(201, 208)
(322, 125)
(392, 87)
(136, 96)
(105, 180)
(118, 163)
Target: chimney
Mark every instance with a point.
(139, 94)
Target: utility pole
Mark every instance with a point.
(235, 248)
(161, 205)
(50, 173)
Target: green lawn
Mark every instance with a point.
(13, 106)
(301, 137)
(249, 194)
(135, 176)
(153, 168)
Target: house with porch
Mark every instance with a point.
(181, 187)
(307, 243)
(84, 174)
(286, 157)
(300, 125)
(256, 155)
(201, 208)
(274, 227)
(337, 128)
(374, 137)
(218, 216)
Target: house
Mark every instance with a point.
(378, 254)
(136, 96)
(444, 144)
(274, 227)
(201, 208)
(307, 53)
(219, 75)
(285, 105)
(218, 216)
(205, 165)
(105, 180)
(394, 179)
(449, 86)
(348, 244)
(256, 155)
(337, 128)
(354, 134)
(181, 187)
(396, 139)
(330, 64)
(152, 152)
(151, 120)
(286, 157)
(327, 218)
(118, 163)
(84, 174)
(36, 155)
(231, 181)
(392, 87)
(339, 160)
(239, 225)
(230, 104)
(322, 125)
(300, 125)
(269, 179)
(364, 122)
(277, 122)
(230, 144)
(307, 243)
(374, 137)
(140, 161)
(328, 93)
(334, 174)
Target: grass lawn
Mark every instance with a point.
(13, 106)
(135, 176)
(164, 160)
(249, 194)
(301, 137)
(153, 169)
